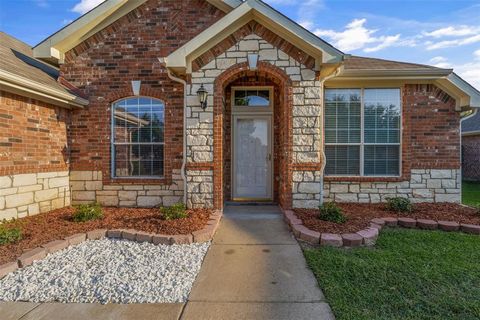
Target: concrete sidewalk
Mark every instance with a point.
(254, 269)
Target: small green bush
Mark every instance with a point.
(331, 212)
(399, 204)
(88, 212)
(9, 234)
(177, 211)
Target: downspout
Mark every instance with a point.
(323, 157)
(475, 110)
(184, 160)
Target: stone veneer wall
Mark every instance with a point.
(200, 188)
(88, 187)
(29, 194)
(307, 95)
(425, 185)
(306, 189)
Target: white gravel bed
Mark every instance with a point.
(109, 271)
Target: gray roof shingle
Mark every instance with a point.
(16, 57)
(472, 124)
(363, 63)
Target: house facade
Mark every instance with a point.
(471, 147)
(208, 102)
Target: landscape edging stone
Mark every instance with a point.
(370, 234)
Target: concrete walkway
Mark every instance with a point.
(254, 269)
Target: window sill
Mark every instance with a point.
(365, 179)
(139, 178)
(139, 181)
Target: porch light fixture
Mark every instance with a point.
(252, 61)
(202, 97)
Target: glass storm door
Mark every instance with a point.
(252, 169)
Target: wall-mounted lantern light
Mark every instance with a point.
(252, 61)
(202, 97)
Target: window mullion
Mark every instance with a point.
(362, 134)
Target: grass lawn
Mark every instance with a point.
(471, 193)
(410, 274)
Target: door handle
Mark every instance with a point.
(269, 157)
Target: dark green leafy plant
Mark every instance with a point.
(331, 212)
(9, 234)
(177, 211)
(88, 212)
(399, 205)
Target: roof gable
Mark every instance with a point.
(54, 47)
(267, 35)
(181, 59)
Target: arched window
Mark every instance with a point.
(138, 138)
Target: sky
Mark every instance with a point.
(443, 33)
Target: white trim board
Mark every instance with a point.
(56, 45)
(256, 10)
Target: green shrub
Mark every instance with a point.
(9, 234)
(399, 204)
(331, 212)
(177, 211)
(88, 212)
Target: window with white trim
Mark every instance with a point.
(362, 132)
(138, 138)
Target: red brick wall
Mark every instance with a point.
(433, 128)
(33, 135)
(471, 157)
(431, 132)
(104, 65)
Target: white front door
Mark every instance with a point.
(252, 158)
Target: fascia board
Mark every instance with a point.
(468, 89)
(19, 83)
(178, 59)
(225, 5)
(434, 73)
(330, 54)
(251, 9)
(78, 27)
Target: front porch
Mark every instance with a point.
(276, 158)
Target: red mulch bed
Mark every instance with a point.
(58, 224)
(359, 215)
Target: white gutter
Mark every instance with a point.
(323, 156)
(23, 84)
(184, 160)
(395, 73)
(471, 133)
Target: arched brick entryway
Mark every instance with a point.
(265, 73)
